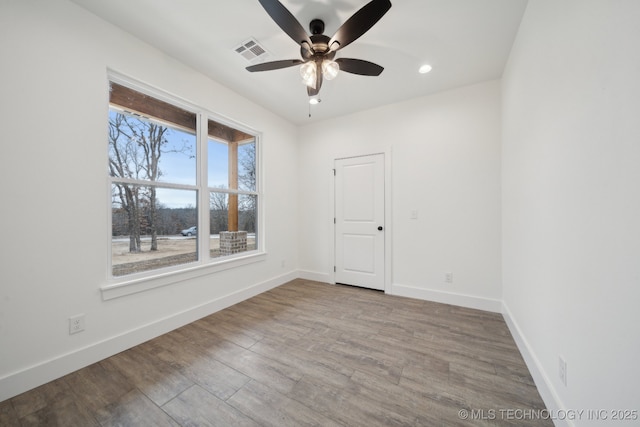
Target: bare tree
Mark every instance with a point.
(124, 162)
(247, 182)
(218, 211)
(247, 167)
(150, 139)
(136, 146)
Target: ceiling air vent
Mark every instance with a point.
(251, 50)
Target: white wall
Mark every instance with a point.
(571, 180)
(445, 163)
(55, 200)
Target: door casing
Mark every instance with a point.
(388, 229)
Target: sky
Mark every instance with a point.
(178, 166)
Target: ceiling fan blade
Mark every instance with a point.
(359, 66)
(286, 21)
(359, 23)
(274, 65)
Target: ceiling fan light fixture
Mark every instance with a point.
(330, 69)
(308, 73)
(314, 101)
(424, 69)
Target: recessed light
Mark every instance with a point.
(425, 69)
(314, 101)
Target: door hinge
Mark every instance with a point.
(334, 219)
(334, 268)
(334, 172)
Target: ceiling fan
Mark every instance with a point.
(318, 50)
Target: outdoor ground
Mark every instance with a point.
(172, 250)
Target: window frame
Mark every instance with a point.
(118, 286)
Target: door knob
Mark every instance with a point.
(380, 228)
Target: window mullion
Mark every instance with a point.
(158, 184)
(203, 192)
(232, 191)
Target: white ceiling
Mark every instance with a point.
(466, 41)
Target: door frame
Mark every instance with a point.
(388, 220)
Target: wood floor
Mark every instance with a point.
(304, 353)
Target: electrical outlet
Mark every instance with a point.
(448, 277)
(562, 370)
(76, 324)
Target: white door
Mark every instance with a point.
(359, 218)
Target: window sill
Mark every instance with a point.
(134, 286)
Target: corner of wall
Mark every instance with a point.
(468, 301)
(540, 378)
(315, 276)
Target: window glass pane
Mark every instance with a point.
(218, 220)
(218, 212)
(152, 228)
(248, 218)
(247, 166)
(247, 212)
(145, 149)
(224, 241)
(218, 164)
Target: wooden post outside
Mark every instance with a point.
(233, 185)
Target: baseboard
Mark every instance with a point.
(543, 384)
(34, 376)
(37, 375)
(469, 301)
(315, 276)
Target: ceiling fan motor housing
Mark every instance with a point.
(320, 48)
(316, 26)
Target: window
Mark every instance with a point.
(232, 195)
(184, 186)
